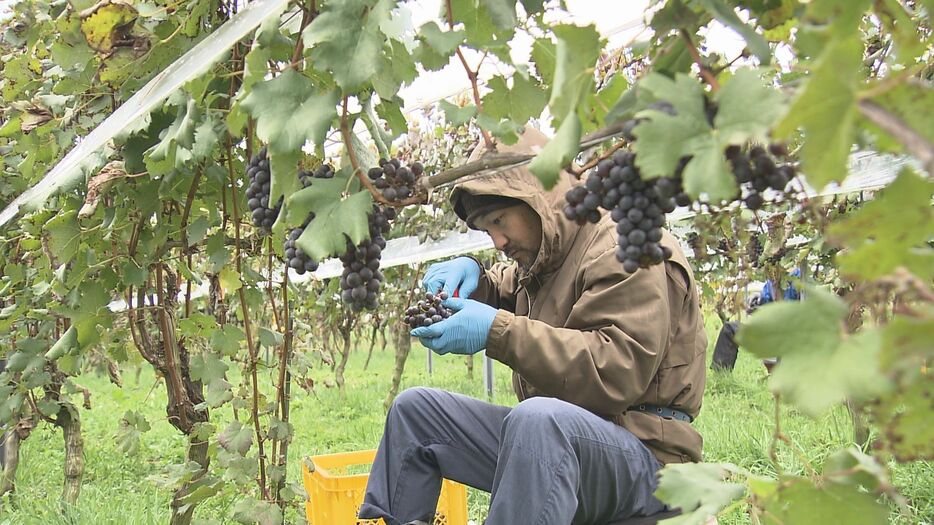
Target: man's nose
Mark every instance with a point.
(499, 240)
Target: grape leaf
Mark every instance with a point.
(456, 115)
(256, 511)
(174, 147)
(576, 53)
(217, 393)
(480, 30)
(558, 153)
(132, 426)
(502, 12)
(227, 339)
(698, 489)
(289, 110)
(335, 218)
(890, 231)
(66, 343)
(853, 467)
(829, 95)
(390, 110)
(345, 39)
(64, 235)
(396, 68)
(236, 438)
(800, 502)
(283, 175)
(270, 338)
(525, 100)
(106, 24)
(229, 280)
(727, 15)
(206, 367)
(746, 109)
(545, 56)
(818, 365)
(906, 418)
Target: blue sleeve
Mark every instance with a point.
(766, 296)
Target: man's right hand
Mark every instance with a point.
(461, 274)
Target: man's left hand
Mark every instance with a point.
(463, 333)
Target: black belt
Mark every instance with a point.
(662, 412)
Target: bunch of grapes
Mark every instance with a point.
(637, 206)
(296, 258)
(361, 279)
(757, 171)
(754, 250)
(395, 181)
(257, 193)
(428, 311)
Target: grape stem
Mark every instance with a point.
(578, 171)
(361, 173)
(695, 54)
(913, 141)
(472, 76)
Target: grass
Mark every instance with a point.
(736, 422)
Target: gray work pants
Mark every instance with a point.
(545, 462)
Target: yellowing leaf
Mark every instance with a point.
(230, 280)
(107, 24)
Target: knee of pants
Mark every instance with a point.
(538, 413)
(411, 400)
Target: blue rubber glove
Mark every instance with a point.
(462, 273)
(463, 333)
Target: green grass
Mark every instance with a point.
(736, 422)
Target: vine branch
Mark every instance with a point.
(705, 73)
(472, 76)
(914, 142)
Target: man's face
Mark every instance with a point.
(516, 231)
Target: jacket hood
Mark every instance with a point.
(519, 183)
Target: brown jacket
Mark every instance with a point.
(575, 326)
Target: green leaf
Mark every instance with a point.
(481, 32)
(503, 12)
(558, 153)
(218, 393)
(545, 57)
(197, 325)
(456, 115)
(227, 339)
(890, 231)
(442, 42)
(132, 426)
(229, 280)
(747, 108)
(174, 148)
(906, 420)
(236, 438)
(699, 489)
(133, 274)
(345, 39)
(64, 235)
(576, 54)
(334, 217)
(524, 101)
(828, 96)
(727, 15)
(283, 172)
(256, 511)
(269, 338)
(397, 67)
(851, 466)
(800, 502)
(206, 367)
(65, 344)
(289, 110)
(391, 111)
(820, 365)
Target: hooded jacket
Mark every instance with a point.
(577, 327)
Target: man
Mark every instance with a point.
(608, 368)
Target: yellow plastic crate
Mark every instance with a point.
(334, 498)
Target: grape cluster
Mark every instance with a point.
(257, 193)
(637, 206)
(361, 279)
(296, 258)
(428, 311)
(754, 250)
(757, 170)
(395, 181)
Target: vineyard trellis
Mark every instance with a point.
(128, 129)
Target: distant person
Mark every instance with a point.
(608, 366)
(726, 349)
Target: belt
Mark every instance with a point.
(662, 412)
